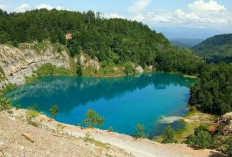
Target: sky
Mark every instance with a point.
(192, 19)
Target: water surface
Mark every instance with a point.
(124, 102)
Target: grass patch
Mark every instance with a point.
(193, 120)
(88, 138)
(31, 79)
(50, 70)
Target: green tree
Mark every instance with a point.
(79, 70)
(230, 149)
(5, 104)
(93, 119)
(140, 131)
(168, 135)
(128, 68)
(54, 111)
(200, 139)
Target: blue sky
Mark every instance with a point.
(175, 18)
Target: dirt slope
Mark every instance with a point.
(53, 139)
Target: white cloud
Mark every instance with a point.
(48, 7)
(23, 7)
(200, 15)
(138, 6)
(112, 15)
(2, 6)
(200, 5)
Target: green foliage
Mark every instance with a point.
(34, 107)
(168, 135)
(113, 40)
(31, 79)
(79, 70)
(9, 88)
(31, 114)
(230, 149)
(128, 68)
(200, 139)
(49, 70)
(18, 107)
(216, 49)
(54, 111)
(140, 131)
(111, 129)
(5, 104)
(93, 119)
(213, 91)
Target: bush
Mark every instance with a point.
(17, 107)
(54, 111)
(230, 149)
(200, 139)
(93, 119)
(168, 135)
(34, 107)
(128, 68)
(111, 129)
(140, 131)
(5, 104)
(31, 114)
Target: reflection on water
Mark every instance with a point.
(123, 101)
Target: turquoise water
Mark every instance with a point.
(124, 102)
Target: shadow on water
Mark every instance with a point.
(78, 91)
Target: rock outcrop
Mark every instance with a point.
(16, 64)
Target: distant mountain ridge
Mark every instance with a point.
(185, 43)
(215, 49)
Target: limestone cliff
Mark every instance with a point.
(18, 63)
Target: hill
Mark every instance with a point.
(215, 49)
(110, 41)
(185, 43)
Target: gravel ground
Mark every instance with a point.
(53, 139)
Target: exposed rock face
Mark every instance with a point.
(139, 69)
(90, 63)
(18, 64)
(225, 124)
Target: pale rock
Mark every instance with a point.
(139, 69)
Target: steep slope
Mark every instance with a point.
(215, 49)
(51, 138)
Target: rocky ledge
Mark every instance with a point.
(16, 64)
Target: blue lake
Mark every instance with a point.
(124, 101)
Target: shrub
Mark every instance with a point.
(93, 119)
(17, 106)
(5, 104)
(140, 131)
(128, 68)
(54, 111)
(200, 139)
(34, 107)
(111, 129)
(230, 149)
(31, 114)
(168, 135)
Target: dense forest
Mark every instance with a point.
(215, 49)
(114, 41)
(213, 91)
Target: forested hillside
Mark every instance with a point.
(112, 41)
(215, 49)
(213, 91)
